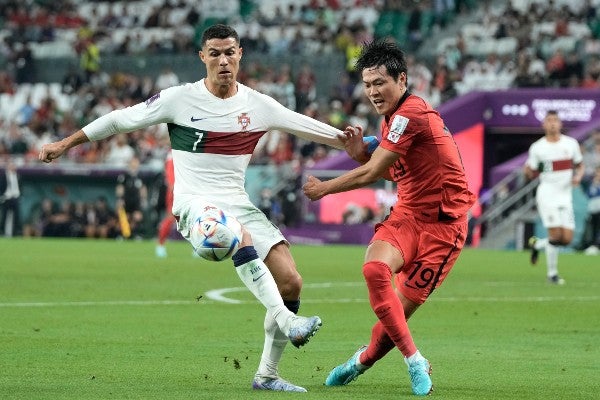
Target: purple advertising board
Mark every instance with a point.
(521, 107)
(527, 107)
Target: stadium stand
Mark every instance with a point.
(459, 46)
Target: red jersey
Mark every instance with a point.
(429, 173)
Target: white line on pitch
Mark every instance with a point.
(219, 295)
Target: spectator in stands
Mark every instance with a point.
(104, 220)
(26, 112)
(23, 63)
(10, 200)
(306, 91)
(270, 206)
(120, 153)
(166, 78)
(80, 223)
(89, 57)
(39, 219)
(592, 231)
(591, 160)
(132, 195)
(6, 83)
(72, 81)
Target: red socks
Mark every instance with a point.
(388, 308)
(165, 228)
(380, 345)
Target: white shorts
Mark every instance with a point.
(557, 215)
(265, 235)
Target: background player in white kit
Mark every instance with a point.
(557, 160)
(214, 125)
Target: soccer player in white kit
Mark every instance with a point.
(214, 125)
(557, 160)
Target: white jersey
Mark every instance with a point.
(555, 162)
(212, 138)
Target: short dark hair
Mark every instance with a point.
(382, 52)
(551, 112)
(219, 31)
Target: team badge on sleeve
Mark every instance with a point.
(399, 124)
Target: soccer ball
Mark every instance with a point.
(215, 234)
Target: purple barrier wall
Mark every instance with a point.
(319, 234)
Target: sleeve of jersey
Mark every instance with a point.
(153, 111)
(303, 126)
(532, 159)
(578, 158)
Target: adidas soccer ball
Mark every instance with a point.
(215, 235)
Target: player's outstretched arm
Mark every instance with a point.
(54, 150)
(358, 146)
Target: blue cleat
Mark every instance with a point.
(420, 378)
(276, 384)
(347, 372)
(302, 329)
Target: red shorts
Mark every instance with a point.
(429, 249)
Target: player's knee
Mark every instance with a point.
(376, 271)
(290, 285)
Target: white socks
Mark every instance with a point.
(258, 279)
(552, 260)
(414, 358)
(275, 342)
(551, 255)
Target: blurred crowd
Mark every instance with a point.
(547, 43)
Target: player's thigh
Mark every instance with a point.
(438, 249)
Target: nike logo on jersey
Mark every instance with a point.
(258, 277)
(197, 119)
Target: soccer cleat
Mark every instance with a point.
(276, 384)
(302, 329)
(161, 251)
(347, 372)
(420, 378)
(534, 252)
(556, 280)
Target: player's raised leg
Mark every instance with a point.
(258, 279)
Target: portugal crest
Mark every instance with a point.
(244, 121)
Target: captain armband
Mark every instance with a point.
(372, 142)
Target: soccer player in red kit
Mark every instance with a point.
(165, 226)
(420, 240)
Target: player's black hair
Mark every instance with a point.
(382, 52)
(551, 112)
(219, 31)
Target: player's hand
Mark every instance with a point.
(354, 144)
(313, 188)
(51, 151)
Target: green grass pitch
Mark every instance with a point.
(107, 320)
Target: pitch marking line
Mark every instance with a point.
(220, 296)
